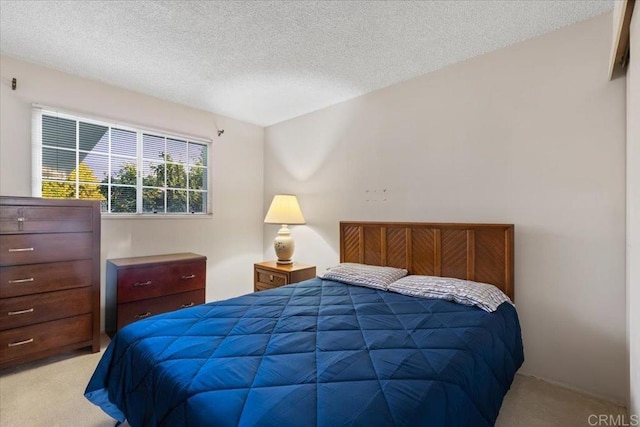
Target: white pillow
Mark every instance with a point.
(370, 276)
(466, 292)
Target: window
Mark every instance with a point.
(130, 170)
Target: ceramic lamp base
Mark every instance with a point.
(284, 246)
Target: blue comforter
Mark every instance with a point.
(319, 353)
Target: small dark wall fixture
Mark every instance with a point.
(14, 83)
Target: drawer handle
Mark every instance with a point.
(21, 250)
(20, 219)
(143, 315)
(14, 313)
(191, 276)
(15, 344)
(30, 279)
(271, 278)
(191, 304)
(138, 284)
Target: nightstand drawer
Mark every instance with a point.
(36, 278)
(150, 282)
(30, 309)
(130, 312)
(260, 286)
(270, 274)
(270, 279)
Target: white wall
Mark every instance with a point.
(231, 239)
(633, 214)
(534, 135)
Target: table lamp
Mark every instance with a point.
(284, 210)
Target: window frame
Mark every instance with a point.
(37, 159)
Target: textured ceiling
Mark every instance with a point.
(265, 62)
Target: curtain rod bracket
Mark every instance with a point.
(220, 132)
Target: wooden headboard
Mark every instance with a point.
(479, 252)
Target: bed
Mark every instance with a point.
(325, 353)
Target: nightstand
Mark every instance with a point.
(269, 274)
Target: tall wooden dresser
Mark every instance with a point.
(49, 277)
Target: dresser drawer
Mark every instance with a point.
(158, 280)
(45, 219)
(132, 311)
(32, 279)
(31, 309)
(19, 343)
(19, 249)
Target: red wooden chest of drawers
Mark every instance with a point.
(140, 287)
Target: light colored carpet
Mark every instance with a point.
(50, 393)
(535, 403)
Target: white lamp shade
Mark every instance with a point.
(284, 209)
